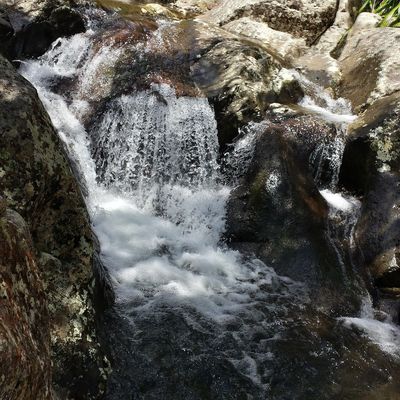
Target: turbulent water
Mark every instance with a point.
(193, 317)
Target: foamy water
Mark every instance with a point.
(384, 334)
(154, 193)
(157, 202)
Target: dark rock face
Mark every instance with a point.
(37, 182)
(25, 363)
(371, 166)
(277, 212)
(28, 30)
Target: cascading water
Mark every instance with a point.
(344, 210)
(154, 192)
(193, 319)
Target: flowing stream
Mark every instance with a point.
(193, 319)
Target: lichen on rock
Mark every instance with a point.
(48, 197)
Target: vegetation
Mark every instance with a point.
(389, 10)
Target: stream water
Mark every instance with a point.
(193, 319)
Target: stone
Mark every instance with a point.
(332, 36)
(49, 199)
(277, 212)
(319, 63)
(371, 167)
(370, 67)
(36, 24)
(306, 19)
(282, 45)
(25, 362)
(365, 21)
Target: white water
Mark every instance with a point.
(384, 334)
(338, 201)
(154, 195)
(155, 198)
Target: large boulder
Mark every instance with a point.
(370, 67)
(371, 167)
(278, 214)
(37, 182)
(35, 25)
(25, 363)
(319, 63)
(241, 78)
(306, 19)
(284, 46)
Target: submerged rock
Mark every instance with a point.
(37, 181)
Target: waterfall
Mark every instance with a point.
(157, 201)
(148, 162)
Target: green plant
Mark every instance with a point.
(389, 10)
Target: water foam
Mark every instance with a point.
(155, 196)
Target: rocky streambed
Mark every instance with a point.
(198, 200)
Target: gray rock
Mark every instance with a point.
(371, 167)
(36, 24)
(306, 19)
(278, 214)
(37, 181)
(25, 362)
(370, 67)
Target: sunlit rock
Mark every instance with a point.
(370, 67)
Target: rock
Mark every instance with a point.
(241, 80)
(134, 12)
(320, 68)
(6, 32)
(282, 45)
(240, 77)
(365, 21)
(36, 24)
(371, 166)
(277, 212)
(25, 363)
(370, 67)
(306, 19)
(332, 36)
(319, 63)
(193, 7)
(377, 233)
(49, 199)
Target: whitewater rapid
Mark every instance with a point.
(148, 166)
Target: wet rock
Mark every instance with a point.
(6, 32)
(306, 19)
(241, 80)
(370, 67)
(278, 213)
(36, 24)
(371, 166)
(48, 198)
(25, 363)
(240, 77)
